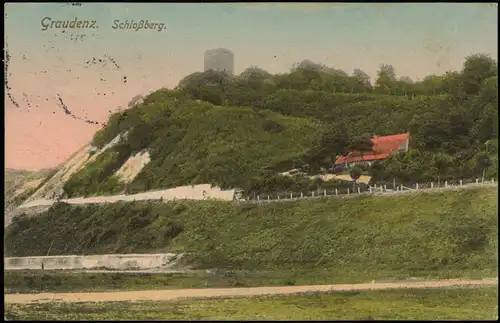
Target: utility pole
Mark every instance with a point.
(48, 251)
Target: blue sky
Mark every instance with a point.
(330, 33)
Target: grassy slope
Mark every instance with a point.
(456, 304)
(194, 143)
(339, 240)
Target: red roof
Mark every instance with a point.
(382, 148)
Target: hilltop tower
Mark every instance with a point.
(220, 60)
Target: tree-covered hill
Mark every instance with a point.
(193, 143)
(241, 131)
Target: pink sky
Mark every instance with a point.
(42, 135)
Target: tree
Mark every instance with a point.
(406, 79)
(210, 86)
(441, 162)
(254, 78)
(254, 71)
(376, 171)
(477, 68)
(140, 137)
(329, 145)
(430, 85)
(304, 79)
(483, 162)
(395, 167)
(334, 71)
(452, 84)
(486, 127)
(307, 64)
(404, 86)
(336, 140)
(489, 90)
(362, 145)
(364, 77)
(386, 77)
(355, 174)
(354, 85)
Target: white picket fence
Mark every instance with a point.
(370, 190)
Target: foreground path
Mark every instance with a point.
(165, 295)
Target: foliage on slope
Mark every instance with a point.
(411, 233)
(452, 118)
(194, 143)
(97, 178)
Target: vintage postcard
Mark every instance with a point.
(340, 158)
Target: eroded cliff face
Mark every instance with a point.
(53, 188)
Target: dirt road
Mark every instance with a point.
(164, 295)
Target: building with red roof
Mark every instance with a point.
(382, 148)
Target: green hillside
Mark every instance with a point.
(239, 131)
(415, 235)
(195, 143)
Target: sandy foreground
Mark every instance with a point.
(165, 295)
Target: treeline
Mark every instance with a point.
(220, 88)
(319, 112)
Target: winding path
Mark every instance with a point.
(165, 295)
